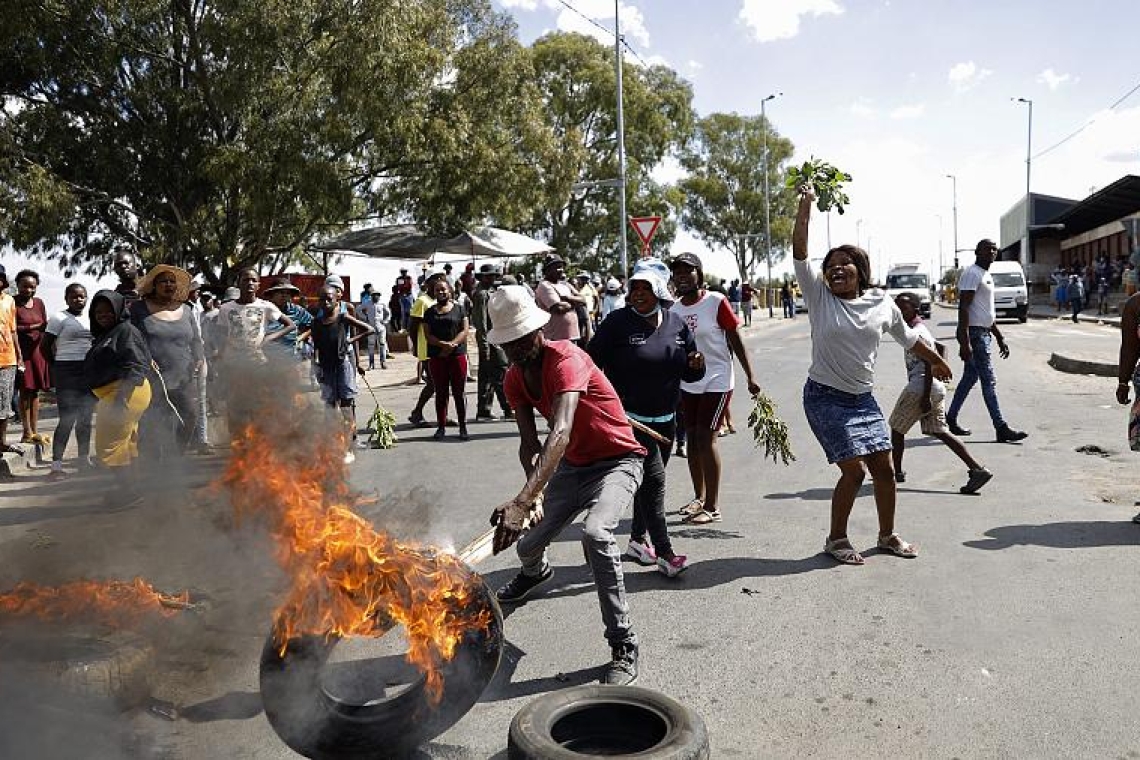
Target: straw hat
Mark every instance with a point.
(514, 314)
(181, 278)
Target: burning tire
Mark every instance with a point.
(616, 721)
(318, 724)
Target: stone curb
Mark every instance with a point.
(1075, 366)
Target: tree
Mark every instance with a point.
(217, 135)
(577, 79)
(724, 192)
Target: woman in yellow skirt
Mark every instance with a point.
(116, 369)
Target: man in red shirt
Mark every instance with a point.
(590, 462)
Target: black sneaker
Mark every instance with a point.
(521, 585)
(978, 478)
(959, 431)
(900, 476)
(1009, 435)
(622, 670)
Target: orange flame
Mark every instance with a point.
(346, 577)
(114, 603)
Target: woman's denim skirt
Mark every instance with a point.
(847, 425)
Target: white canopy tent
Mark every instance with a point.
(405, 241)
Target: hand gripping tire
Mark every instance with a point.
(619, 721)
(317, 725)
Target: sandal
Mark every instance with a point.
(703, 517)
(842, 551)
(694, 506)
(896, 546)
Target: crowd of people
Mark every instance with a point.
(622, 373)
(1078, 286)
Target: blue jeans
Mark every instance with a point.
(980, 367)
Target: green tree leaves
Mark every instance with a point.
(724, 192)
(218, 134)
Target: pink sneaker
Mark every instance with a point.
(641, 553)
(673, 567)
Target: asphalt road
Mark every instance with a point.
(1013, 633)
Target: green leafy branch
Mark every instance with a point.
(769, 430)
(825, 181)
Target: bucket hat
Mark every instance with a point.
(181, 278)
(231, 294)
(514, 314)
(335, 281)
(653, 271)
(282, 284)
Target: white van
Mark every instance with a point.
(910, 278)
(1011, 296)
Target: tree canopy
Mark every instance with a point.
(724, 192)
(217, 134)
(578, 84)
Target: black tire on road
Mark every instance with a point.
(617, 721)
(112, 668)
(317, 725)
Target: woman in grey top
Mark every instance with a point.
(175, 343)
(846, 326)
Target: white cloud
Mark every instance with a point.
(908, 112)
(780, 19)
(1052, 79)
(964, 76)
(863, 109)
(599, 11)
(602, 12)
(694, 66)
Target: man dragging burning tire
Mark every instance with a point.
(590, 462)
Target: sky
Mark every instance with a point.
(898, 94)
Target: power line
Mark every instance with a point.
(1087, 124)
(583, 16)
(609, 32)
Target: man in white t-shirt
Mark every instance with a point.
(976, 323)
(714, 328)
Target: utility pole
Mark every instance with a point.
(954, 179)
(622, 218)
(767, 202)
(1026, 249)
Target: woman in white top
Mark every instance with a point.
(846, 326)
(714, 327)
(67, 339)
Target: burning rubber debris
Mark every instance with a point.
(112, 603)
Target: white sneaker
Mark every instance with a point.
(641, 553)
(349, 457)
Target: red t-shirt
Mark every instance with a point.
(600, 430)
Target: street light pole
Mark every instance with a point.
(620, 142)
(954, 179)
(1026, 252)
(767, 202)
(940, 261)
